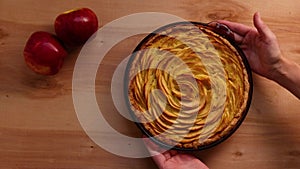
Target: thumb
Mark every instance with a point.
(152, 147)
(261, 27)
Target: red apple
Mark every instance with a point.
(75, 27)
(44, 53)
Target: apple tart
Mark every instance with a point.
(188, 85)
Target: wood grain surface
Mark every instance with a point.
(39, 128)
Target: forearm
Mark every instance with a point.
(288, 76)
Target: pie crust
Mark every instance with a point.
(188, 86)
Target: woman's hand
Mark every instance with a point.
(172, 159)
(259, 45)
(263, 54)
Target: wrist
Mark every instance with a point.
(284, 69)
(280, 70)
(287, 75)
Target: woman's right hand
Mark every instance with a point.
(259, 45)
(262, 50)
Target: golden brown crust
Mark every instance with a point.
(202, 86)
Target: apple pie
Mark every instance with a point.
(189, 87)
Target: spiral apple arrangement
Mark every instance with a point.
(44, 53)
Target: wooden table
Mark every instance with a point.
(39, 128)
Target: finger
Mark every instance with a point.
(238, 38)
(167, 155)
(152, 147)
(221, 27)
(173, 152)
(154, 151)
(261, 27)
(239, 29)
(159, 160)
